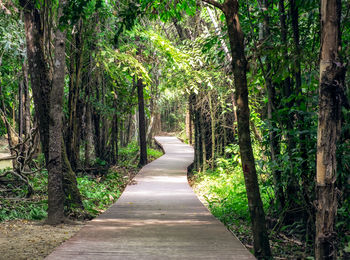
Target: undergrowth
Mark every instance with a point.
(223, 191)
(98, 191)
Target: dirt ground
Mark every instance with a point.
(23, 239)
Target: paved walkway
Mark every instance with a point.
(159, 217)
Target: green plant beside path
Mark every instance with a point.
(98, 191)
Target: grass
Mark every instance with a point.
(98, 191)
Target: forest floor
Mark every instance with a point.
(33, 239)
(24, 239)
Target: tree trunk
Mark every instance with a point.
(331, 95)
(26, 115)
(89, 145)
(239, 68)
(48, 104)
(203, 139)
(20, 109)
(70, 185)
(291, 194)
(54, 166)
(142, 124)
(73, 137)
(302, 125)
(271, 107)
(190, 118)
(212, 124)
(48, 99)
(114, 140)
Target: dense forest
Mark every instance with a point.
(258, 88)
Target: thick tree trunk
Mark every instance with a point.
(48, 104)
(70, 185)
(239, 68)
(54, 166)
(48, 99)
(331, 95)
(142, 124)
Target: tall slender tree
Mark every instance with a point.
(142, 124)
(230, 9)
(331, 97)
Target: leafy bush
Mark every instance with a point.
(98, 193)
(224, 190)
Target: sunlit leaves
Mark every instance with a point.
(116, 63)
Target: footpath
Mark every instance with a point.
(158, 216)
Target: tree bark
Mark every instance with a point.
(48, 103)
(26, 115)
(73, 137)
(203, 139)
(331, 95)
(271, 107)
(89, 145)
(70, 185)
(291, 194)
(142, 124)
(239, 68)
(212, 124)
(48, 99)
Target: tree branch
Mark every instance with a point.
(214, 3)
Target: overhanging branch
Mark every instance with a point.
(214, 3)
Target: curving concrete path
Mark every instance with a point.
(159, 217)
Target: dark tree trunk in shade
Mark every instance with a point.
(291, 189)
(239, 68)
(142, 124)
(70, 185)
(271, 107)
(20, 108)
(73, 133)
(331, 97)
(301, 124)
(48, 100)
(26, 112)
(48, 103)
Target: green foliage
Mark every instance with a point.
(153, 153)
(128, 155)
(99, 193)
(117, 63)
(22, 209)
(224, 189)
